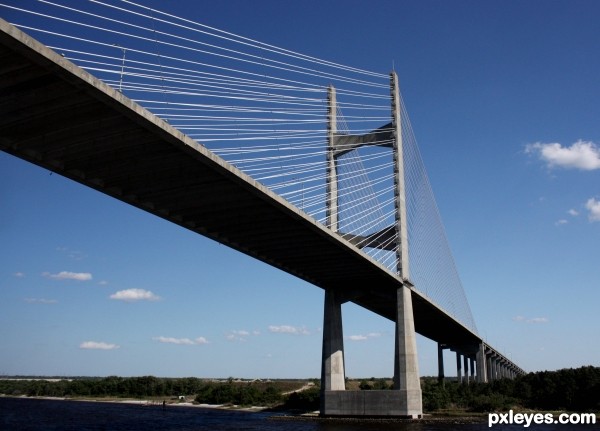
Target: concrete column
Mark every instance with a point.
(490, 371)
(441, 364)
(472, 363)
(406, 365)
(332, 367)
(466, 367)
(405, 362)
(402, 266)
(458, 368)
(481, 364)
(333, 382)
(331, 179)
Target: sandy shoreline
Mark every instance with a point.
(144, 402)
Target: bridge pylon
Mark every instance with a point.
(405, 399)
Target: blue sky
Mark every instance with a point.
(503, 98)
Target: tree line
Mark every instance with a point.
(567, 389)
(146, 386)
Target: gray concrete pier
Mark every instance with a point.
(441, 377)
(403, 401)
(406, 365)
(333, 376)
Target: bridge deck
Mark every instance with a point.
(56, 115)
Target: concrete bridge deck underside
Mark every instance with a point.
(61, 118)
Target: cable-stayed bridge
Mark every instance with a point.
(305, 164)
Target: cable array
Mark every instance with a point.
(263, 109)
(432, 265)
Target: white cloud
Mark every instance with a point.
(131, 295)
(241, 335)
(357, 337)
(584, 155)
(287, 329)
(181, 341)
(361, 337)
(573, 212)
(19, 274)
(41, 301)
(561, 222)
(103, 283)
(172, 340)
(67, 275)
(593, 206)
(95, 345)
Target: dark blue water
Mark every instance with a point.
(22, 414)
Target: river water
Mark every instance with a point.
(23, 414)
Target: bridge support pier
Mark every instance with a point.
(441, 378)
(333, 376)
(458, 368)
(404, 400)
(481, 364)
(472, 364)
(406, 365)
(491, 375)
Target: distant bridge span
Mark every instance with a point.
(58, 116)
